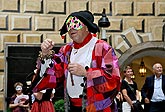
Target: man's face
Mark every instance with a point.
(74, 23)
(158, 69)
(78, 35)
(76, 29)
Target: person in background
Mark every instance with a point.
(87, 66)
(153, 90)
(19, 101)
(129, 90)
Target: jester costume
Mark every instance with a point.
(96, 91)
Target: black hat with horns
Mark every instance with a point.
(84, 16)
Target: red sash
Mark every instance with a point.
(76, 102)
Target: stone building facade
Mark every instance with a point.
(134, 25)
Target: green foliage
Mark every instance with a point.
(8, 110)
(59, 105)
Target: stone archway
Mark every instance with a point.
(151, 51)
(150, 48)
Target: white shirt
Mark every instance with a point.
(158, 94)
(82, 56)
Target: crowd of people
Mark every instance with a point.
(88, 68)
(152, 91)
(152, 95)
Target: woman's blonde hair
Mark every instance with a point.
(18, 83)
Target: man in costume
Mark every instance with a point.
(87, 66)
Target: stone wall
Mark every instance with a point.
(31, 21)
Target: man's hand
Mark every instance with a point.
(146, 100)
(46, 46)
(38, 95)
(77, 69)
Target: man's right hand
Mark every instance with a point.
(38, 95)
(146, 100)
(46, 46)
